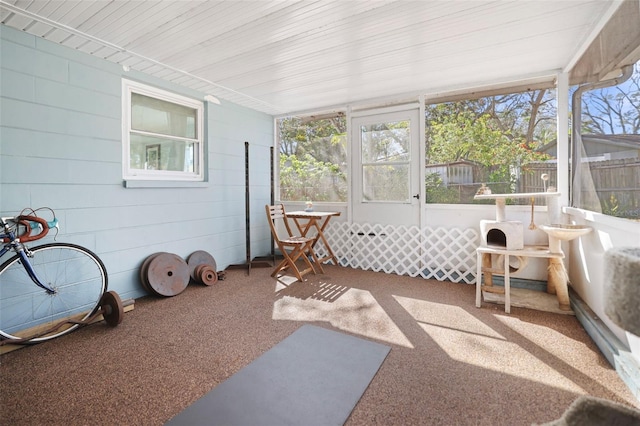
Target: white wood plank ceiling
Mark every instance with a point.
(281, 57)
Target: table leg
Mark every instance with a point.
(304, 230)
(507, 286)
(479, 257)
(320, 235)
(313, 223)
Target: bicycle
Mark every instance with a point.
(49, 290)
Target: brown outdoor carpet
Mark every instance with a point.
(450, 363)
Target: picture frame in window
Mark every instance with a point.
(152, 157)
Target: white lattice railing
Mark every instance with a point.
(438, 253)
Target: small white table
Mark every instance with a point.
(527, 251)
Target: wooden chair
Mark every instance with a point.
(292, 247)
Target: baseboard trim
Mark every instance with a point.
(616, 352)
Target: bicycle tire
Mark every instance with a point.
(76, 274)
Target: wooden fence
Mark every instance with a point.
(616, 184)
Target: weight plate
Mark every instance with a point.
(206, 275)
(168, 274)
(143, 273)
(197, 258)
(112, 308)
(197, 272)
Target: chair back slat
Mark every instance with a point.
(299, 247)
(276, 212)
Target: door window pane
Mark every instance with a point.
(385, 182)
(385, 142)
(385, 150)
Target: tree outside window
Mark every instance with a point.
(313, 159)
(609, 149)
(498, 141)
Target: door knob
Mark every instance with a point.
(417, 196)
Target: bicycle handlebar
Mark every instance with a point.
(26, 221)
(30, 222)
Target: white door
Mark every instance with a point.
(386, 169)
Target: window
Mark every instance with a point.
(386, 161)
(312, 158)
(506, 142)
(162, 134)
(607, 150)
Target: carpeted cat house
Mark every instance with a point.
(622, 305)
(622, 289)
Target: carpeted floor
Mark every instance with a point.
(450, 363)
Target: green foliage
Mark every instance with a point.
(497, 134)
(468, 137)
(313, 159)
(306, 178)
(615, 207)
(611, 206)
(438, 193)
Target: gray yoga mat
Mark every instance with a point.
(313, 377)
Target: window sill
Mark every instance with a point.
(601, 219)
(163, 184)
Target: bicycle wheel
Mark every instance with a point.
(78, 277)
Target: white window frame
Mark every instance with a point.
(129, 87)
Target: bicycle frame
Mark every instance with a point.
(22, 251)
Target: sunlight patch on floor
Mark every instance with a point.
(574, 353)
(284, 281)
(447, 316)
(559, 345)
(497, 355)
(355, 311)
(466, 339)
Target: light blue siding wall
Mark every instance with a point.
(60, 147)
